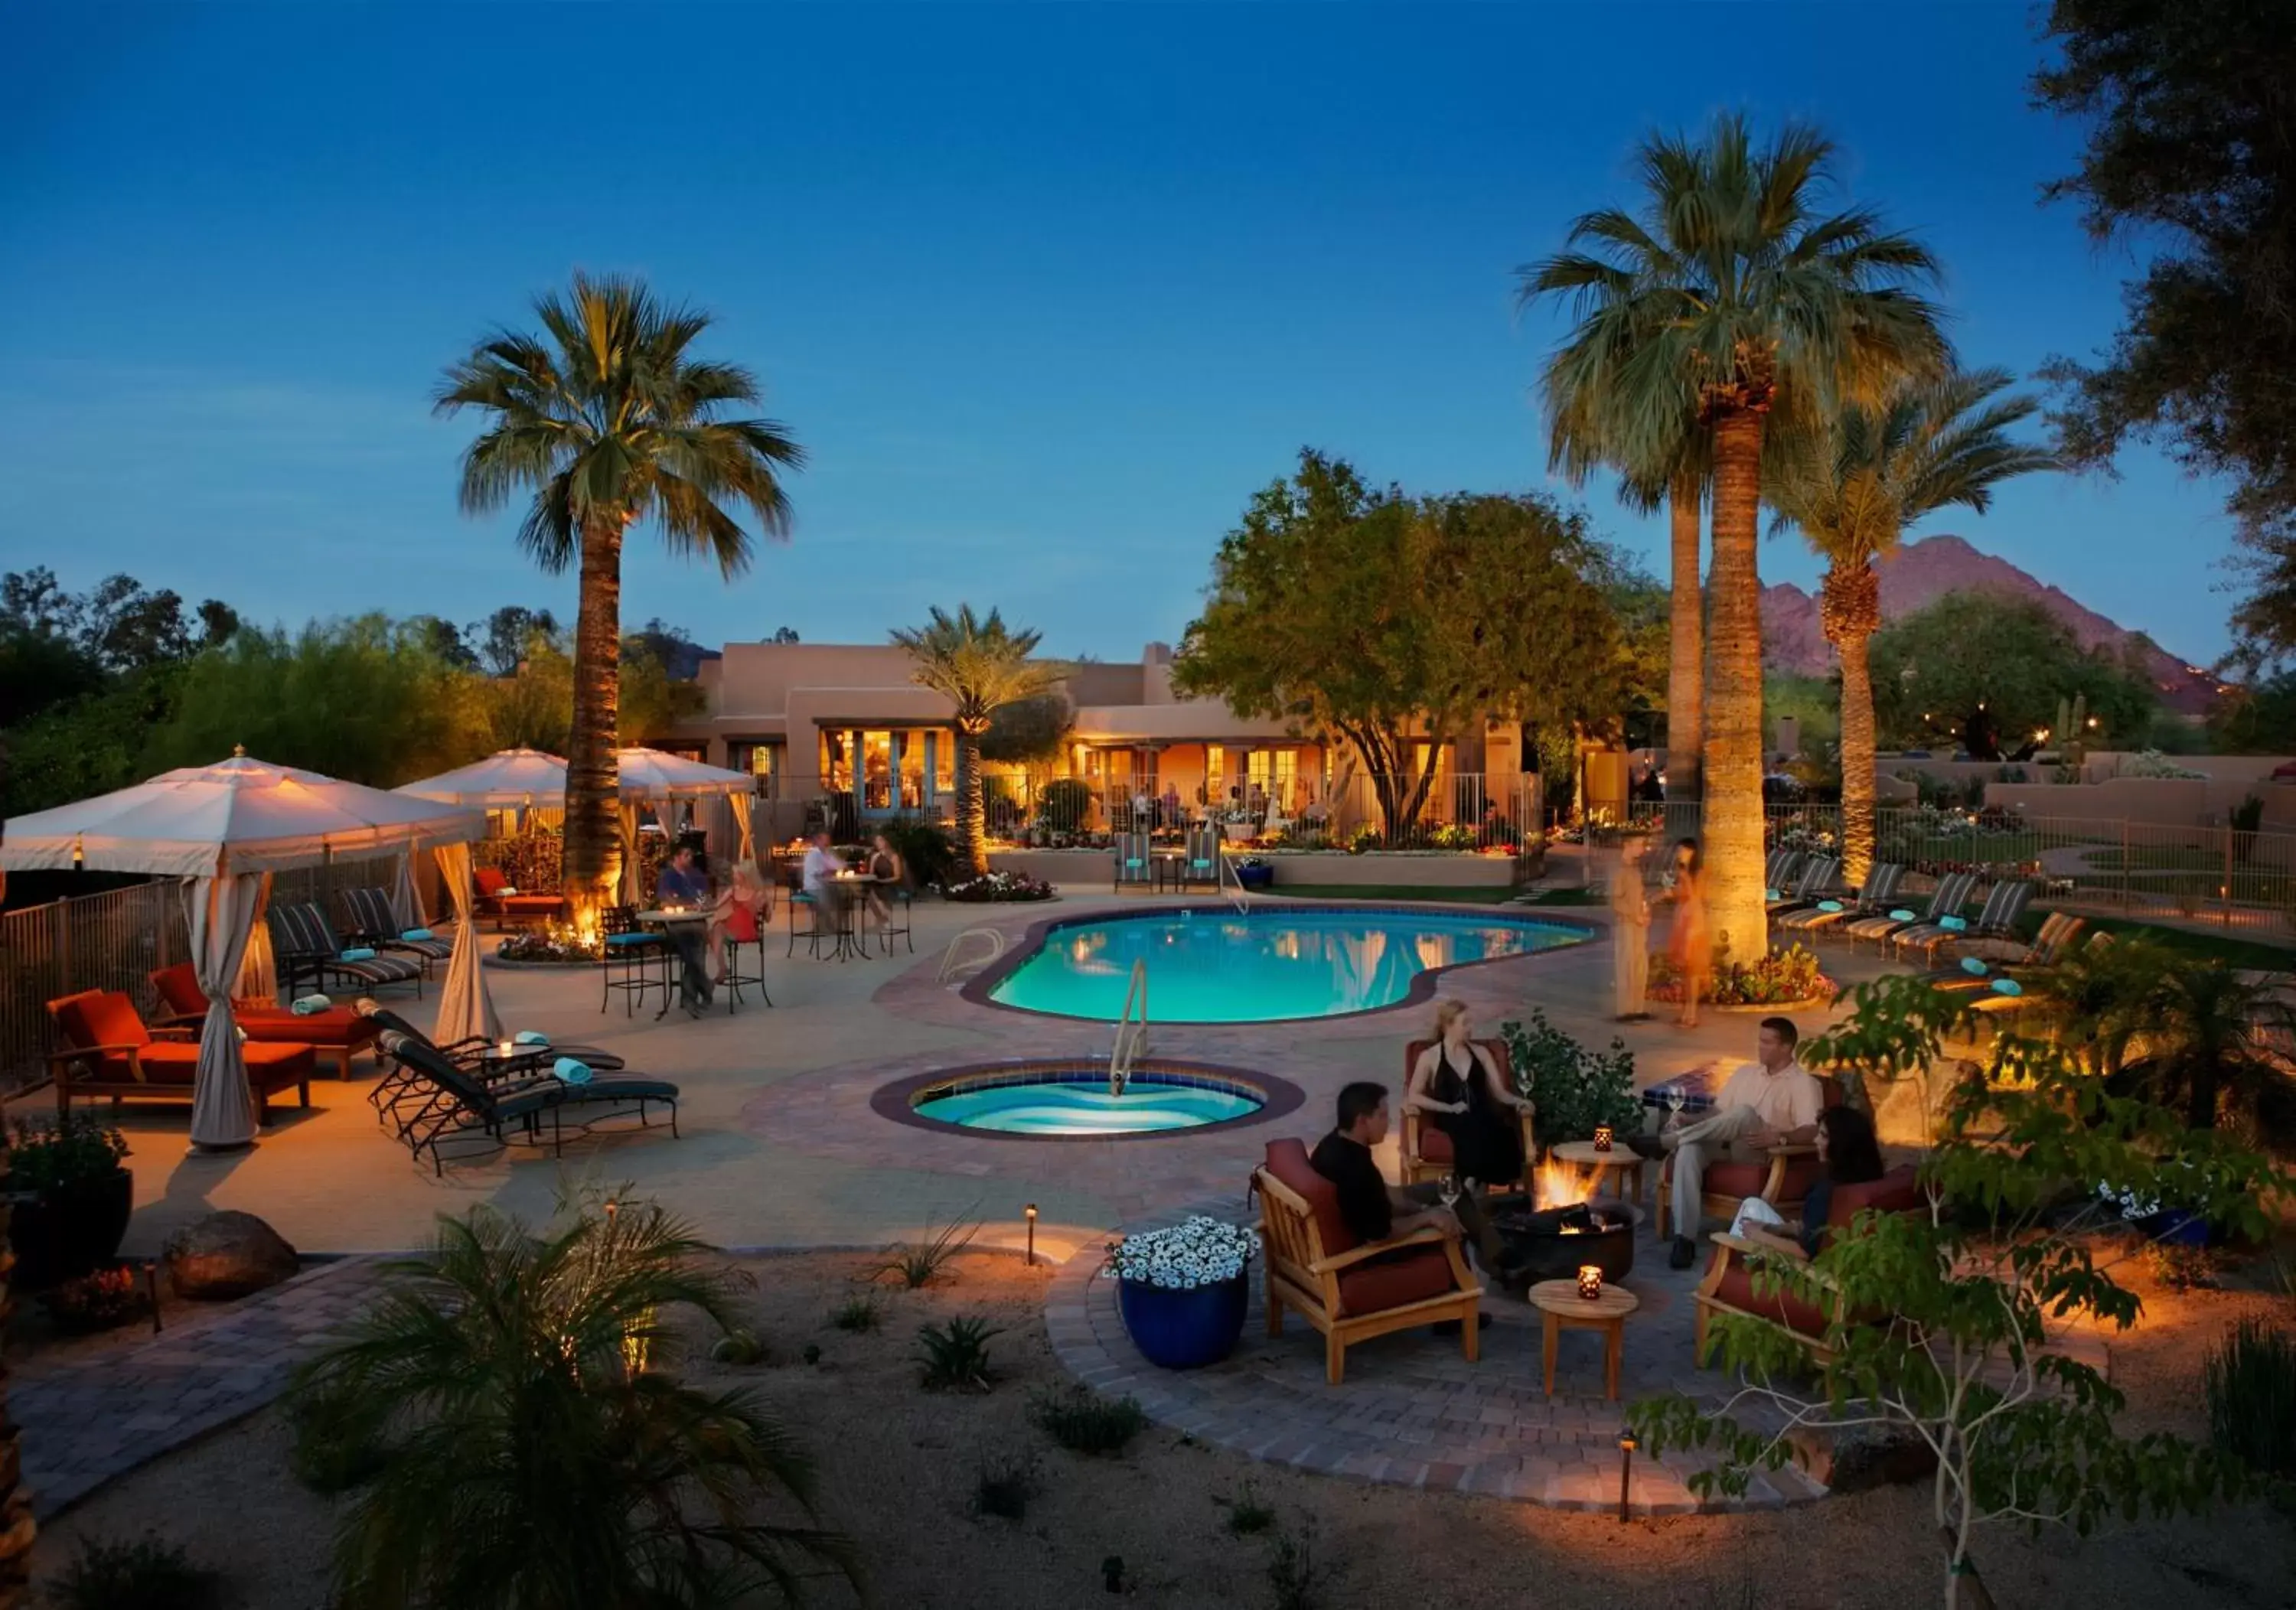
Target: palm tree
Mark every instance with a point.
(1729, 298)
(1853, 486)
(610, 419)
(977, 666)
(503, 1414)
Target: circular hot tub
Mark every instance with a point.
(1072, 1099)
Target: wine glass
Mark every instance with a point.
(1676, 1099)
(1447, 1189)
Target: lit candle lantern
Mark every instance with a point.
(506, 1048)
(1590, 1280)
(1601, 1137)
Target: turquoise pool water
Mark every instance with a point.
(1080, 1105)
(1268, 965)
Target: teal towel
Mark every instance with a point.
(571, 1072)
(531, 1037)
(1953, 925)
(2008, 986)
(1901, 915)
(309, 1006)
(1829, 905)
(1770, 893)
(418, 933)
(1975, 966)
(358, 953)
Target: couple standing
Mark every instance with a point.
(1689, 945)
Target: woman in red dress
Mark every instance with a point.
(1689, 943)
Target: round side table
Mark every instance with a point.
(1560, 1307)
(1582, 1155)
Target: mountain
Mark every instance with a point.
(1920, 572)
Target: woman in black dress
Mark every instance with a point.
(1457, 1085)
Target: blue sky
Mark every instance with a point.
(1046, 291)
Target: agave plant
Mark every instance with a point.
(507, 1412)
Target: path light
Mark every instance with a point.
(1626, 1446)
(1031, 1211)
(1590, 1281)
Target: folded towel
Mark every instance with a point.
(1953, 925)
(531, 1037)
(1975, 966)
(571, 1072)
(1901, 915)
(505, 889)
(1770, 893)
(358, 952)
(1829, 905)
(2008, 987)
(308, 1006)
(418, 933)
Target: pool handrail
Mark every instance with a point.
(1131, 1035)
(951, 964)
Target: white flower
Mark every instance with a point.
(1202, 1252)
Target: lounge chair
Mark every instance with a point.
(1818, 877)
(1952, 894)
(2004, 905)
(1878, 896)
(108, 1052)
(374, 923)
(307, 949)
(466, 1053)
(1732, 1285)
(493, 896)
(338, 1033)
(1781, 1179)
(1426, 1150)
(1133, 865)
(452, 1104)
(1202, 864)
(1353, 1290)
(1780, 870)
(2058, 931)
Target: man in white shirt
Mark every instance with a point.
(817, 875)
(1770, 1101)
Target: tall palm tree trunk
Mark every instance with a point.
(593, 852)
(1686, 673)
(971, 808)
(1851, 612)
(1733, 689)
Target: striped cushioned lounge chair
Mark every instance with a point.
(1996, 1001)
(1952, 894)
(1816, 877)
(455, 1105)
(2058, 931)
(374, 922)
(1879, 894)
(2004, 905)
(307, 949)
(1779, 870)
(464, 1053)
(1202, 865)
(1132, 862)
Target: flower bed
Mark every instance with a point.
(999, 887)
(1789, 978)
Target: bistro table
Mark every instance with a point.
(665, 920)
(852, 888)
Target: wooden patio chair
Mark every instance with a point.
(108, 1052)
(1427, 1150)
(1732, 1285)
(2004, 905)
(1782, 1178)
(1353, 1290)
(336, 1034)
(1952, 894)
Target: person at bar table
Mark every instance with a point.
(682, 886)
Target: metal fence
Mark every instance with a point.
(2207, 873)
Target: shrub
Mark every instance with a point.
(1292, 1572)
(2250, 1385)
(100, 1301)
(1006, 1485)
(916, 1263)
(1082, 1421)
(147, 1574)
(925, 847)
(1065, 803)
(48, 1154)
(856, 1313)
(1785, 978)
(955, 1357)
(1575, 1089)
(1247, 1517)
(2178, 1267)
(999, 887)
(335, 1449)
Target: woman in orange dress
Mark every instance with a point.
(1689, 943)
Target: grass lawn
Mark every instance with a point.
(2216, 947)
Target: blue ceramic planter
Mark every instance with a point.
(1255, 877)
(2176, 1227)
(1184, 1329)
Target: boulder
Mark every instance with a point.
(1860, 1458)
(225, 1255)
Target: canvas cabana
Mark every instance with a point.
(225, 829)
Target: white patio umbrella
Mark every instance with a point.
(504, 780)
(225, 828)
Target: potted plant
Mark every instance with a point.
(1182, 1291)
(1254, 872)
(69, 1199)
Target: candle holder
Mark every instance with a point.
(1590, 1281)
(1601, 1137)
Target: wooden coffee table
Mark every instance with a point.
(1560, 1306)
(1582, 1155)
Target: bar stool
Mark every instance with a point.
(628, 963)
(803, 900)
(900, 905)
(743, 927)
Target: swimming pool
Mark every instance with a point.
(1270, 964)
(1069, 1099)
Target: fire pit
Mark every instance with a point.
(1551, 1243)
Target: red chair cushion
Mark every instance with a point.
(1287, 1160)
(1735, 1179)
(1737, 1290)
(338, 1026)
(272, 1063)
(164, 1061)
(1897, 1192)
(178, 988)
(1801, 1173)
(489, 880)
(1391, 1282)
(102, 1017)
(1434, 1144)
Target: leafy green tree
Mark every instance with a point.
(442, 640)
(1391, 622)
(1979, 663)
(1729, 295)
(1029, 731)
(2186, 107)
(980, 666)
(1979, 1290)
(507, 1414)
(501, 640)
(609, 419)
(1853, 483)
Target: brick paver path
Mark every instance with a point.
(1412, 1412)
(92, 1417)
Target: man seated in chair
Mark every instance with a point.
(1375, 1210)
(1770, 1101)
